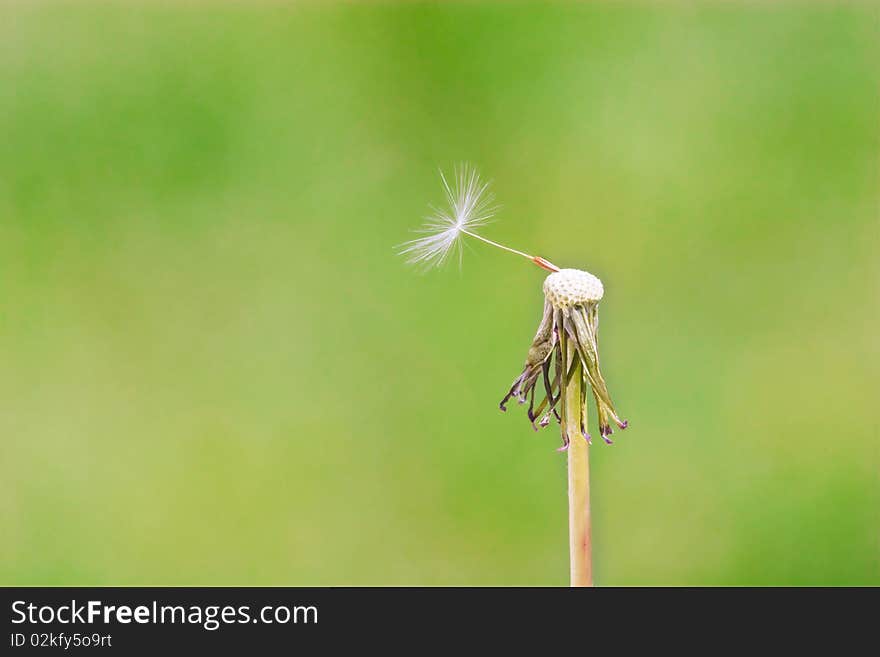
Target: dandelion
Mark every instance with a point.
(562, 365)
(567, 344)
(569, 337)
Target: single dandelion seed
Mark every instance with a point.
(470, 207)
(562, 365)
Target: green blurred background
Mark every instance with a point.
(215, 370)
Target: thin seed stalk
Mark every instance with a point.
(579, 535)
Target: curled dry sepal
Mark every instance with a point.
(566, 346)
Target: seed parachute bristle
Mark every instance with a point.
(470, 206)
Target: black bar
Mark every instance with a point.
(325, 620)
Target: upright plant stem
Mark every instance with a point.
(579, 538)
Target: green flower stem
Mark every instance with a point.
(579, 538)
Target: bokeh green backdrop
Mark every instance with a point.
(215, 370)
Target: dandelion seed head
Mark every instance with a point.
(570, 287)
(564, 359)
(470, 206)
